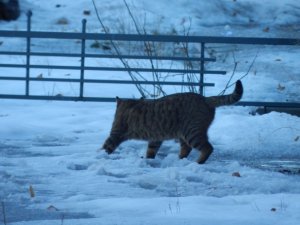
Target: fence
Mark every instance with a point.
(84, 36)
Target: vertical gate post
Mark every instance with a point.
(28, 43)
(82, 59)
(201, 90)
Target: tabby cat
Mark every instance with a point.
(183, 116)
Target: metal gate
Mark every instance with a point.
(83, 36)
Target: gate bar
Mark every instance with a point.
(217, 72)
(28, 42)
(82, 59)
(91, 55)
(202, 69)
(103, 81)
(154, 38)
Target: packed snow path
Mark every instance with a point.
(56, 152)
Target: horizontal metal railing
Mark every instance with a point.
(120, 69)
(104, 81)
(151, 38)
(108, 56)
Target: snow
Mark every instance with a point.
(55, 147)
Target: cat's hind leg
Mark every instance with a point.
(199, 140)
(184, 150)
(206, 150)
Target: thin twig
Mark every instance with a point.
(132, 17)
(62, 219)
(243, 76)
(4, 213)
(149, 49)
(232, 74)
(188, 65)
(251, 65)
(146, 44)
(124, 62)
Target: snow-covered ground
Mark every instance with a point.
(51, 168)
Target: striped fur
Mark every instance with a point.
(182, 116)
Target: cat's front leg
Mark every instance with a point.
(111, 143)
(153, 147)
(184, 150)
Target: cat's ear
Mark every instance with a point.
(118, 100)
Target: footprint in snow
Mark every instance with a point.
(73, 166)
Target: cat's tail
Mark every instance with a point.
(216, 101)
